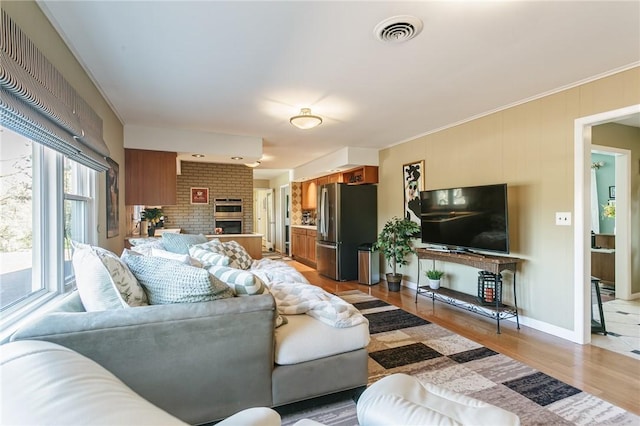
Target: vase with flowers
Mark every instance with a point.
(609, 211)
(153, 216)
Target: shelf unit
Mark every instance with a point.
(361, 175)
(491, 264)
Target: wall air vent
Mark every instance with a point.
(398, 29)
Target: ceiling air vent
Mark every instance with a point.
(398, 29)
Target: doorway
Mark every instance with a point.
(285, 208)
(265, 217)
(582, 207)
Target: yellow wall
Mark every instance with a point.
(28, 16)
(531, 148)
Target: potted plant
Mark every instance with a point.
(394, 241)
(434, 276)
(152, 216)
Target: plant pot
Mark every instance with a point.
(394, 281)
(434, 284)
(151, 231)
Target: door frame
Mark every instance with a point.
(582, 217)
(284, 216)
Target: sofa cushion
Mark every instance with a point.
(305, 339)
(243, 283)
(180, 243)
(104, 282)
(238, 256)
(169, 281)
(210, 253)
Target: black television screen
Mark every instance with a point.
(469, 218)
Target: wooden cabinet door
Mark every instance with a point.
(298, 243)
(150, 177)
(309, 194)
(311, 245)
(322, 180)
(334, 178)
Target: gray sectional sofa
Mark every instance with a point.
(201, 361)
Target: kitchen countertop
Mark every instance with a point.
(311, 227)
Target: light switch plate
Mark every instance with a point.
(563, 218)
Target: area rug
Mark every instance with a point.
(274, 255)
(403, 342)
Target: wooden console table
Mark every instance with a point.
(489, 263)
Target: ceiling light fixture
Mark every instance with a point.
(305, 120)
(236, 158)
(198, 155)
(252, 165)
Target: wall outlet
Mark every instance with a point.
(563, 218)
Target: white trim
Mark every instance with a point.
(582, 253)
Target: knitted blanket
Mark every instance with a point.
(302, 298)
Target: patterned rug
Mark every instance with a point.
(403, 342)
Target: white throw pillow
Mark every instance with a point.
(103, 281)
(182, 258)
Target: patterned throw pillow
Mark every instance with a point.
(243, 283)
(103, 281)
(130, 289)
(180, 243)
(238, 256)
(210, 253)
(169, 281)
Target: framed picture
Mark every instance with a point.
(113, 199)
(612, 192)
(413, 181)
(199, 195)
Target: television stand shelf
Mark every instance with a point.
(489, 263)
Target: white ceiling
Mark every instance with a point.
(243, 68)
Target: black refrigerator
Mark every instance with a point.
(346, 218)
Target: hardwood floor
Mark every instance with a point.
(605, 374)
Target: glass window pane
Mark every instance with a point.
(75, 229)
(17, 254)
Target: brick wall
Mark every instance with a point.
(223, 181)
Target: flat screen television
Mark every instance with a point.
(467, 218)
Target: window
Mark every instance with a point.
(47, 200)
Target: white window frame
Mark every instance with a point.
(48, 236)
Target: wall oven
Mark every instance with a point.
(227, 215)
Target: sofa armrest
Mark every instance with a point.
(44, 383)
(197, 361)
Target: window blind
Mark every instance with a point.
(37, 102)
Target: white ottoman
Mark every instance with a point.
(402, 399)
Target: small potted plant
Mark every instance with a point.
(152, 216)
(434, 276)
(394, 241)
